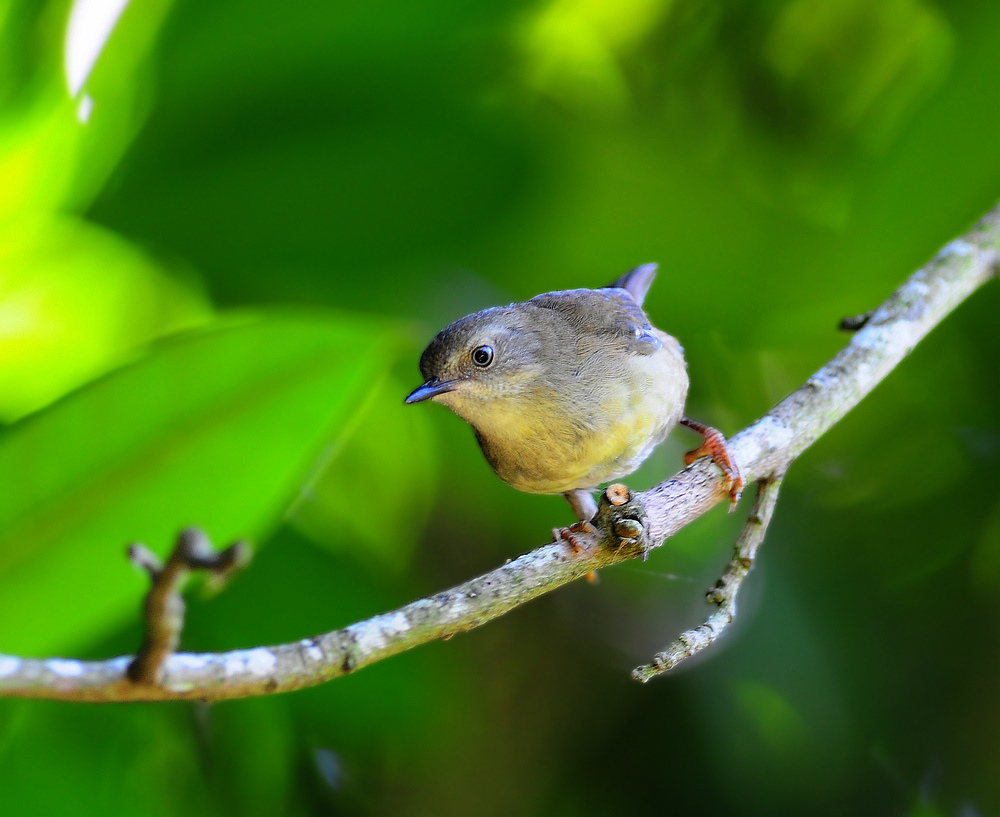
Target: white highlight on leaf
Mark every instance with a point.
(90, 24)
(64, 667)
(85, 108)
(9, 665)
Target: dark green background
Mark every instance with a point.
(226, 277)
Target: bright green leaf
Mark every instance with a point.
(75, 301)
(214, 429)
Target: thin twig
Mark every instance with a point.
(163, 609)
(762, 451)
(724, 593)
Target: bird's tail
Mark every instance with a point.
(636, 282)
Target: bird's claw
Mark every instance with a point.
(714, 446)
(569, 535)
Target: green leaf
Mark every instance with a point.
(388, 444)
(984, 568)
(76, 301)
(214, 429)
(778, 726)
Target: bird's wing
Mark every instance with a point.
(610, 313)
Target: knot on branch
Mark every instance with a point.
(855, 323)
(163, 608)
(621, 521)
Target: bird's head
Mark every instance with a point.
(484, 361)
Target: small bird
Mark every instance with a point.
(569, 390)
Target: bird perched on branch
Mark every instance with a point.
(569, 390)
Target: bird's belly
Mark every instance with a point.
(616, 451)
(590, 460)
(557, 455)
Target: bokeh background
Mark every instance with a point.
(228, 228)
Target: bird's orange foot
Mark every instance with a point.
(569, 535)
(714, 446)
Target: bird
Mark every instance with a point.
(568, 390)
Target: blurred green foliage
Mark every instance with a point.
(215, 428)
(225, 234)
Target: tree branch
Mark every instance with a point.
(627, 524)
(164, 606)
(724, 593)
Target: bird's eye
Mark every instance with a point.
(482, 356)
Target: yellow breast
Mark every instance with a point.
(554, 443)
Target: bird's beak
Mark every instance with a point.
(432, 388)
